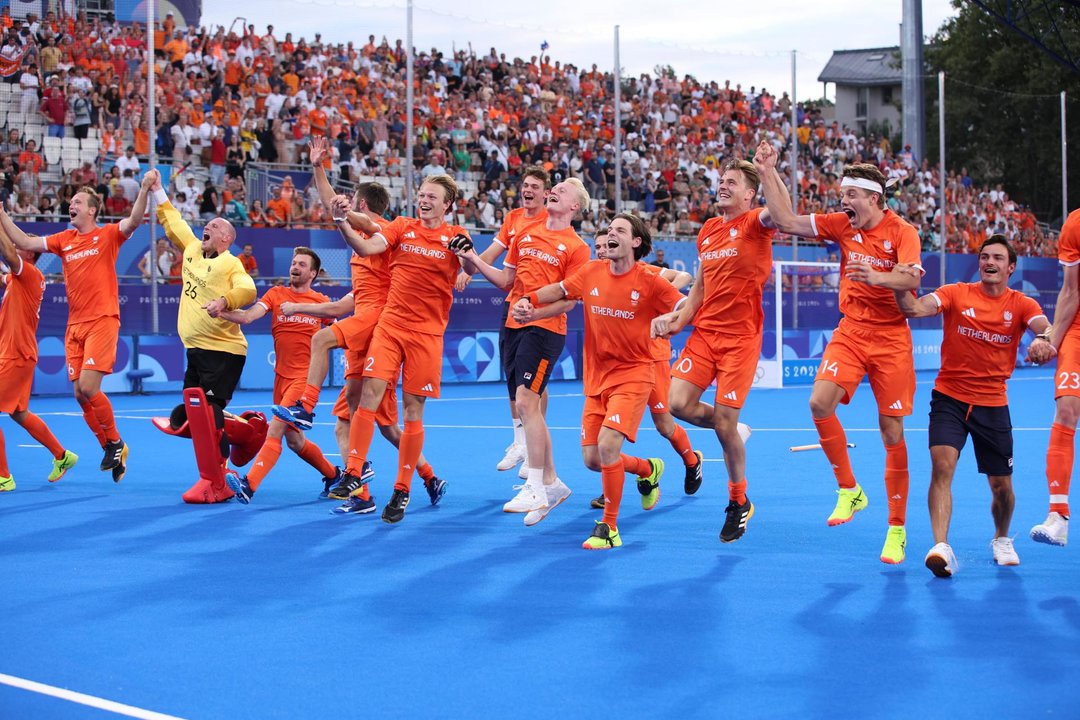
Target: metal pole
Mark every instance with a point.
(618, 126)
(409, 111)
(941, 160)
(794, 193)
(151, 131)
(1064, 164)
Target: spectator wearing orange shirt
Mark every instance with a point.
(278, 209)
(247, 259)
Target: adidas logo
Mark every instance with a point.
(595, 292)
(705, 242)
(615, 418)
(89, 362)
(410, 234)
(896, 497)
(260, 464)
(658, 406)
(731, 396)
(67, 248)
(970, 312)
(897, 406)
(209, 393)
(427, 388)
(408, 467)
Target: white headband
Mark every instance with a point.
(862, 183)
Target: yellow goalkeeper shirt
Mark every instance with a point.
(206, 279)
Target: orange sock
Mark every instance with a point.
(4, 470)
(681, 442)
(92, 422)
(361, 430)
(40, 432)
(1059, 464)
(264, 461)
(612, 478)
(834, 443)
(309, 398)
(737, 491)
(104, 413)
(313, 456)
(412, 442)
(364, 494)
(635, 465)
(425, 471)
(896, 481)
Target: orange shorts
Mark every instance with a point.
(619, 407)
(730, 360)
(417, 356)
(287, 391)
(658, 398)
(354, 332)
(385, 414)
(91, 345)
(1067, 375)
(883, 353)
(18, 378)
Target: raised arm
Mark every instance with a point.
(30, 243)
(138, 210)
(7, 252)
(335, 309)
(178, 231)
(361, 246)
(777, 200)
(318, 153)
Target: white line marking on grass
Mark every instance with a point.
(80, 698)
(32, 445)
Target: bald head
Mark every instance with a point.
(218, 236)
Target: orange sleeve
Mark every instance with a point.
(575, 281)
(1069, 242)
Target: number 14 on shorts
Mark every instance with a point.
(829, 366)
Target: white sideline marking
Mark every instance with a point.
(32, 445)
(80, 698)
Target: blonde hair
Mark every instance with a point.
(450, 188)
(749, 172)
(579, 190)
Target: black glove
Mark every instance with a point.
(461, 244)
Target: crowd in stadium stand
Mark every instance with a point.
(226, 99)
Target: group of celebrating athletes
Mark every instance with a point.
(404, 274)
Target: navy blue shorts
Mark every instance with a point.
(990, 428)
(503, 331)
(530, 355)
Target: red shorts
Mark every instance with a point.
(658, 398)
(730, 360)
(619, 407)
(385, 414)
(1067, 375)
(287, 391)
(18, 377)
(91, 345)
(883, 353)
(417, 356)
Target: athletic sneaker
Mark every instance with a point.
(61, 466)
(436, 488)
(527, 500)
(120, 469)
(355, 506)
(523, 471)
(1004, 552)
(602, 538)
(366, 473)
(598, 502)
(735, 522)
(694, 476)
(7, 484)
(239, 485)
(294, 416)
(848, 502)
(649, 486)
(1053, 531)
(555, 495)
(942, 561)
(515, 455)
(394, 512)
(112, 458)
(350, 485)
(895, 543)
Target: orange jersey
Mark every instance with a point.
(736, 258)
(292, 334)
(978, 353)
(618, 314)
(370, 279)
(541, 257)
(20, 309)
(89, 263)
(1069, 253)
(661, 346)
(891, 241)
(422, 273)
(516, 222)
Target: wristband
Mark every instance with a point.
(161, 197)
(531, 297)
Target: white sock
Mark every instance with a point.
(536, 479)
(519, 432)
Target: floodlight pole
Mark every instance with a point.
(1064, 164)
(618, 126)
(941, 160)
(409, 131)
(151, 132)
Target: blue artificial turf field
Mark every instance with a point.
(279, 609)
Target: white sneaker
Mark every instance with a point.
(515, 454)
(527, 500)
(744, 431)
(1053, 531)
(942, 561)
(555, 495)
(1004, 552)
(523, 471)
